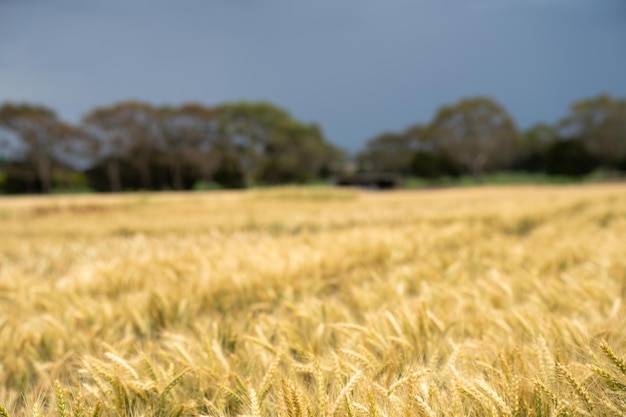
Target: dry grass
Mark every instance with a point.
(315, 302)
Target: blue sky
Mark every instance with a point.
(356, 67)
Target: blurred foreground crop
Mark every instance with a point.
(315, 301)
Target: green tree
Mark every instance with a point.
(188, 146)
(245, 131)
(38, 138)
(295, 152)
(532, 145)
(600, 122)
(400, 152)
(569, 157)
(265, 143)
(476, 132)
(128, 134)
(431, 165)
(388, 152)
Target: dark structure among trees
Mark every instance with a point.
(373, 180)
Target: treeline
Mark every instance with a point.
(135, 145)
(477, 136)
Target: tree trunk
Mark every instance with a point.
(44, 174)
(177, 175)
(144, 174)
(477, 173)
(113, 174)
(478, 167)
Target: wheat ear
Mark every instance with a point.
(409, 378)
(3, 411)
(97, 410)
(320, 386)
(254, 403)
(122, 364)
(611, 381)
(173, 382)
(346, 390)
(619, 362)
(423, 405)
(293, 400)
(580, 390)
(373, 410)
(36, 411)
(266, 384)
(62, 410)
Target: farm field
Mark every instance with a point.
(484, 301)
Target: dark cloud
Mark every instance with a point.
(356, 66)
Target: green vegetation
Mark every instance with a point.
(504, 178)
(134, 145)
(476, 136)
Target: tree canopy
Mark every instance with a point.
(36, 143)
(600, 122)
(477, 132)
(137, 145)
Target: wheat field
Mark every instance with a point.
(297, 302)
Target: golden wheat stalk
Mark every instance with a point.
(173, 382)
(404, 380)
(122, 364)
(254, 403)
(372, 408)
(345, 390)
(293, 399)
(423, 405)
(36, 410)
(611, 380)
(578, 388)
(269, 377)
(3, 411)
(470, 391)
(320, 387)
(62, 410)
(618, 362)
(495, 398)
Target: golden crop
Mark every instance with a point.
(315, 302)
